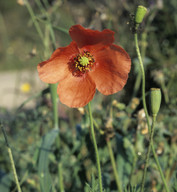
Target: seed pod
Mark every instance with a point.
(140, 13)
(155, 100)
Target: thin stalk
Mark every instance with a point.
(53, 26)
(53, 87)
(33, 97)
(159, 168)
(143, 51)
(11, 160)
(145, 109)
(134, 159)
(148, 153)
(96, 148)
(60, 175)
(14, 169)
(33, 17)
(143, 79)
(52, 34)
(53, 91)
(45, 41)
(118, 183)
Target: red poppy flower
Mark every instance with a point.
(91, 61)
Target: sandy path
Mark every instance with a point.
(11, 95)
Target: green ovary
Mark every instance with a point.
(84, 61)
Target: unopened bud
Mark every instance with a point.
(155, 100)
(140, 13)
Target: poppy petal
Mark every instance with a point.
(85, 37)
(111, 70)
(56, 68)
(76, 91)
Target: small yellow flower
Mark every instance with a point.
(25, 88)
(21, 2)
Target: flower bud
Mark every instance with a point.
(140, 13)
(155, 100)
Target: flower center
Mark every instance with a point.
(82, 63)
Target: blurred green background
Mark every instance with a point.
(21, 49)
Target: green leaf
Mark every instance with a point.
(123, 161)
(45, 178)
(5, 182)
(132, 189)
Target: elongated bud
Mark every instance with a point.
(155, 100)
(140, 13)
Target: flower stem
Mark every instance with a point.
(60, 173)
(134, 159)
(159, 168)
(33, 17)
(143, 78)
(96, 148)
(114, 165)
(11, 160)
(145, 109)
(53, 87)
(148, 153)
(53, 91)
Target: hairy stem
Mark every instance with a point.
(145, 108)
(11, 160)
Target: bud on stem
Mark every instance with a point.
(155, 101)
(139, 16)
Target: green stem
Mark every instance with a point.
(159, 168)
(134, 159)
(48, 23)
(14, 169)
(33, 17)
(53, 26)
(145, 109)
(11, 160)
(143, 51)
(53, 91)
(143, 78)
(96, 148)
(53, 87)
(60, 173)
(133, 169)
(148, 153)
(114, 165)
